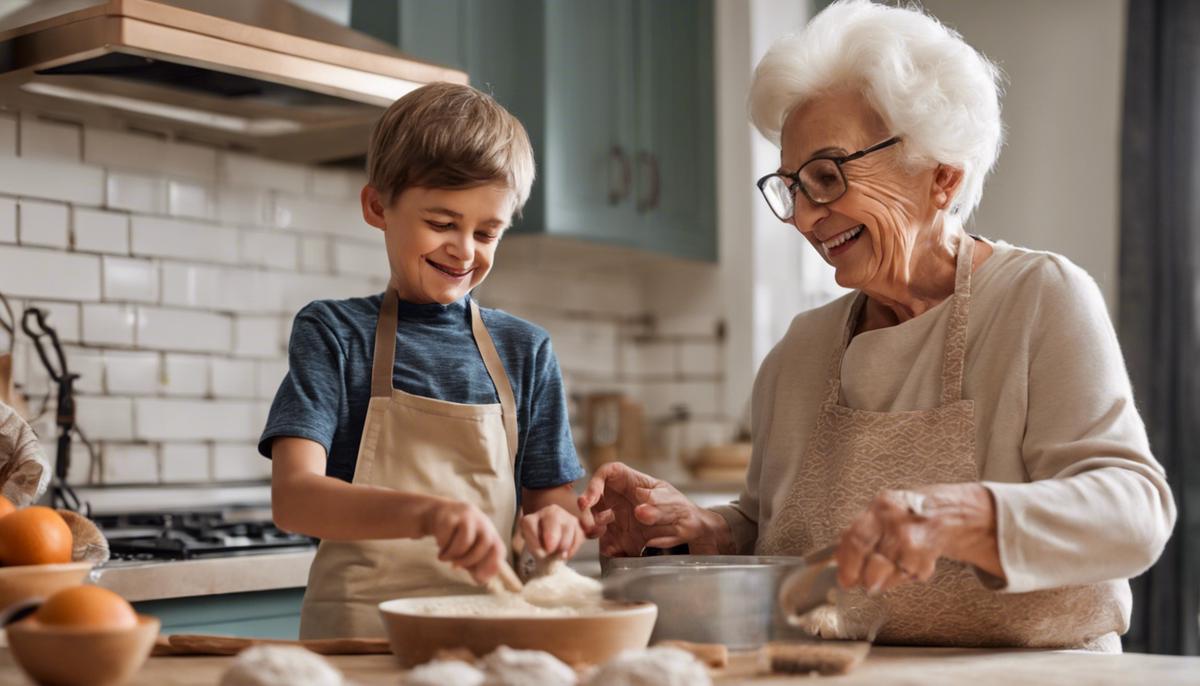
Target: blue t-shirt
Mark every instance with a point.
(325, 394)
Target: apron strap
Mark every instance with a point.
(495, 367)
(385, 346)
(956, 332)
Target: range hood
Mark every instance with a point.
(264, 76)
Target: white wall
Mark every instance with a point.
(1055, 186)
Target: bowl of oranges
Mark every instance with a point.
(36, 547)
(103, 639)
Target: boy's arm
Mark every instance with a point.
(534, 499)
(304, 500)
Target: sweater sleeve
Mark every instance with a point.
(1098, 506)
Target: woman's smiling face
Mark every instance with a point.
(869, 234)
(440, 242)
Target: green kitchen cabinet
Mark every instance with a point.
(617, 97)
(260, 614)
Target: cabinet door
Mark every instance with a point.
(587, 166)
(676, 170)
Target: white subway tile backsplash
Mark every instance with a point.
(321, 215)
(252, 291)
(40, 273)
(655, 359)
(171, 419)
(130, 279)
(244, 206)
(258, 337)
(63, 317)
(43, 224)
(191, 285)
(88, 363)
(109, 324)
(337, 184)
(136, 193)
(233, 378)
(8, 220)
(79, 472)
(104, 418)
(185, 199)
(243, 170)
(185, 375)
(185, 462)
(184, 330)
(270, 375)
(49, 139)
(100, 231)
(584, 347)
(126, 463)
(146, 153)
(8, 135)
(270, 249)
(239, 462)
(52, 179)
(700, 358)
(314, 254)
(131, 373)
(360, 259)
(186, 240)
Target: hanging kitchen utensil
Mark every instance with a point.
(8, 394)
(33, 322)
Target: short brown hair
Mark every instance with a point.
(447, 135)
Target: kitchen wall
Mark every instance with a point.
(172, 272)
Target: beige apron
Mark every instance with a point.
(412, 443)
(856, 454)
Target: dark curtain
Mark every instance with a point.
(1159, 307)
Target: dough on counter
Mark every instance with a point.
(444, 672)
(508, 667)
(652, 667)
(272, 665)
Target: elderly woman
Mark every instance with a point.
(961, 426)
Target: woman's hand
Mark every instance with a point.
(628, 511)
(902, 534)
(552, 531)
(466, 539)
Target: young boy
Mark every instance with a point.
(412, 424)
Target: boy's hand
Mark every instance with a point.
(467, 539)
(552, 530)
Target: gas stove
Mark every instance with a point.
(185, 535)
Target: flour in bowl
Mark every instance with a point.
(564, 587)
(561, 593)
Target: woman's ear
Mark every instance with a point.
(946, 181)
(373, 207)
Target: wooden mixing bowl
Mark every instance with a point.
(38, 582)
(66, 656)
(590, 638)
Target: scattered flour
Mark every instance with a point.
(444, 672)
(269, 665)
(508, 667)
(652, 667)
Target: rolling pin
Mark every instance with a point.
(199, 644)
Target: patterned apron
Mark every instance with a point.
(413, 443)
(853, 455)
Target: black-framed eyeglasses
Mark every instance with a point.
(820, 179)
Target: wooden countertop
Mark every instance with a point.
(922, 666)
(136, 581)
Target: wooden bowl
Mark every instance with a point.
(590, 638)
(66, 656)
(38, 582)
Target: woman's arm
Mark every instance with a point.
(306, 501)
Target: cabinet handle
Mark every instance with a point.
(616, 195)
(650, 202)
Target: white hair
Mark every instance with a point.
(930, 87)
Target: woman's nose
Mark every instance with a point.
(806, 214)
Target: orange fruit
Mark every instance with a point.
(6, 506)
(34, 536)
(88, 607)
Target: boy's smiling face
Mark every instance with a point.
(440, 242)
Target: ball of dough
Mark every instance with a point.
(443, 672)
(508, 667)
(269, 665)
(652, 667)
